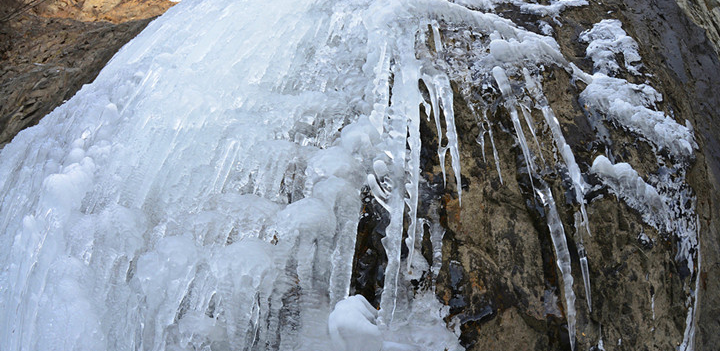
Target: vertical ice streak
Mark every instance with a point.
(225, 212)
(412, 113)
(486, 120)
(573, 170)
(688, 343)
(562, 254)
(586, 275)
(504, 85)
(436, 236)
(528, 121)
(436, 36)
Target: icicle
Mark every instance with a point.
(557, 234)
(586, 275)
(526, 114)
(504, 84)
(436, 236)
(413, 166)
(481, 139)
(583, 260)
(492, 141)
(573, 171)
(392, 244)
(381, 89)
(435, 104)
(404, 121)
(441, 98)
(436, 36)
(563, 148)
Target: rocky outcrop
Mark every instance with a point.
(49, 54)
(113, 11)
(499, 276)
(498, 273)
(706, 14)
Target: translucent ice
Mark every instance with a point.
(204, 192)
(625, 182)
(562, 255)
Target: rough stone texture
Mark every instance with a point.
(499, 275)
(45, 60)
(706, 14)
(688, 70)
(114, 11)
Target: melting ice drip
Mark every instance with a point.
(204, 191)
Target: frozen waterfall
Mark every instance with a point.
(204, 192)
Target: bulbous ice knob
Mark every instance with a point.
(352, 325)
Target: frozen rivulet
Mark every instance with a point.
(204, 191)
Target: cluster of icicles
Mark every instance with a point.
(203, 193)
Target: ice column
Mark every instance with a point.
(557, 233)
(579, 185)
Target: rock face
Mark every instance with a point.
(113, 11)
(498, 272)
(499, 275)
(50, 52)
(705, 14)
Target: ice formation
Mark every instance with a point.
(204, 191)
(606, 40)
(353, 325)
(553, 9)
(624, 181)
(562, 254)
(665, 202)
(632, 106)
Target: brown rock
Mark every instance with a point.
(53, 50)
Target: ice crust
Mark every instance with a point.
(632, 106)
(605, 41)
(624, 181)
(204, 192)
(665, 201)
(553, 9)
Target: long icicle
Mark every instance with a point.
(557, 234)
(404, 119)
(573, 169)
(504, 84)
